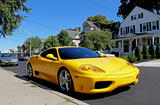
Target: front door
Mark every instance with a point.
(48, 67)
(126, 46)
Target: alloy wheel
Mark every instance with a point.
(65, 81)
(30, 71)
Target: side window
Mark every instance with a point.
(43, 54)
(52, 51)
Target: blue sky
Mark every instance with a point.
(49, 17)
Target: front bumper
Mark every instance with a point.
(8, 63)
(86, 84)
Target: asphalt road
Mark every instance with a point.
(146, 92)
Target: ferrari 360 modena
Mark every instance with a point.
(82, 70)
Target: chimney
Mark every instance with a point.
(78, 29)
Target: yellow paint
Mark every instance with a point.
(87, 71)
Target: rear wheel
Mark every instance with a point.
(65, 81)
(29, 71)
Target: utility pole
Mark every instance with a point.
(28, 32)
(30, 46)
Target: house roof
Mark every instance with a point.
(110, 26)
(73, 34)
(93, 24)
(42, 40)
(139, 8)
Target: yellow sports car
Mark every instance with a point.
(81, 70)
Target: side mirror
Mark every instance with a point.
(101, 54)
(51, 56)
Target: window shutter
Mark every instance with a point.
(134, 29)
(140, 27)
(126, 30)
(147, 27)
(157, 24)
(141, 15)
(121, 31)
(131, 17)
(150, 27)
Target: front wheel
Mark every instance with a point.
(65, 81)
(29, 71)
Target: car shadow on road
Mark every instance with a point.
(80, 96)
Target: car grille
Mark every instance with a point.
(104, 84)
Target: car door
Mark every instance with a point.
(48, 67)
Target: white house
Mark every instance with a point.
(139, 27)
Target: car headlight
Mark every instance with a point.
(14, 60)
(3, 60)
(91, 68)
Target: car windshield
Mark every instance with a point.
(6, 55)
(76, 53)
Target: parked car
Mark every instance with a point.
(8, 59)
(105, 54)
(82, 70)
(23, 58)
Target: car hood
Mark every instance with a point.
(110, 65)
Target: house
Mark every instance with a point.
(139, 27)
(89, 26)
(75, 35)
(113, 27)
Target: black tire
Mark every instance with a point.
(65, 81)
(29, 71)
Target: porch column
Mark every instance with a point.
(136, 42)
(153, 40)
(122, 47)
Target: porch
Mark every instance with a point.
(127, 45)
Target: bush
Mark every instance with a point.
(152, 51)
(158, 51)
(131, 58)
(138, 53)
(145, 52)
(126, 58)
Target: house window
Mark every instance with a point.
(139, 16)
(86, 29)
(124, 31)
(131, 29)
(134, 17)
(144, 27)
(154, 27)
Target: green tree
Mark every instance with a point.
(152, 51)
(51, 41)
(138, 53)
(99, 19)
(11, 15)
(64, 39)
(127, 6)
(97, 40)
(158, 51)
(35, 45)
(145, 52)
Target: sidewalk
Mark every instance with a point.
(15, 91)
(153, 63)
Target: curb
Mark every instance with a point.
(67, 98)
(148, 64)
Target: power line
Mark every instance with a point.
(101, 5)
(42, 25)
